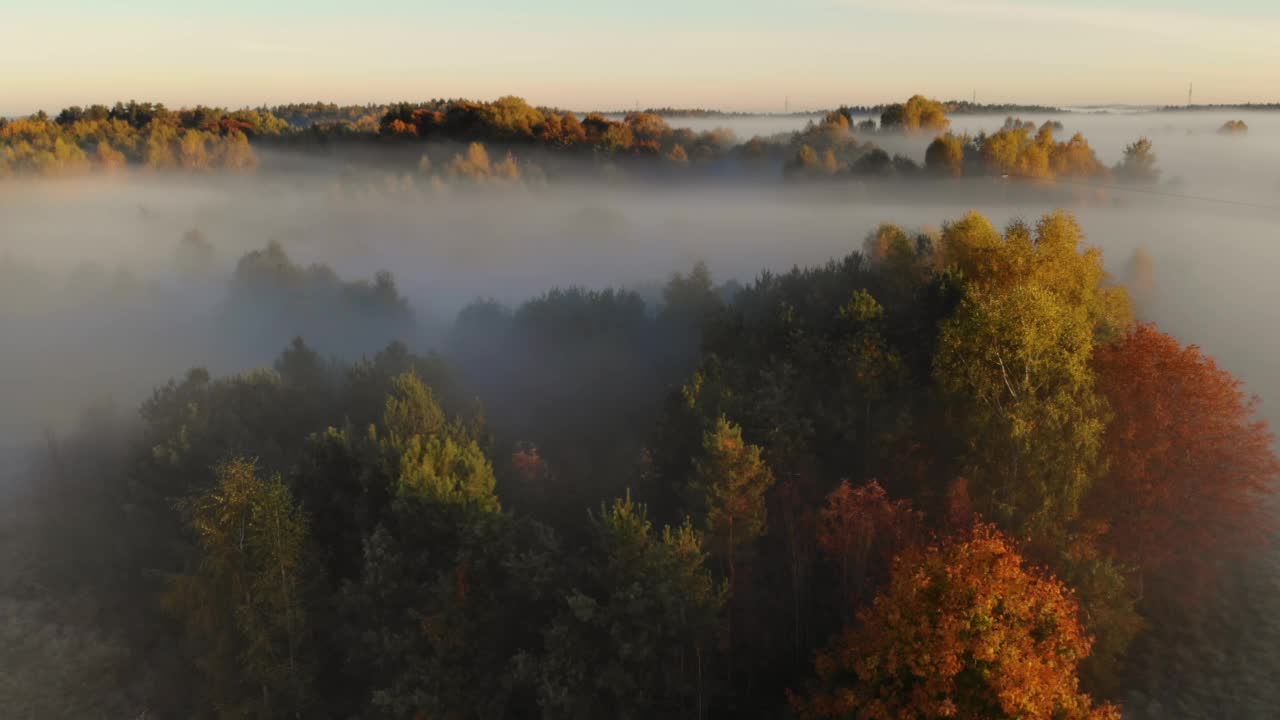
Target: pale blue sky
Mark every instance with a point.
(746, 54)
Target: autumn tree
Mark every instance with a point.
(1015, 360)
(1233, 127)
(886, 240)
(829, 163)
(945, 156)
(232, 152)
(918, 114)
(1076, 158)
(860, 530)
(805, 162)
(966, 630)
(1015, 363)
(1013, 150)
(511, 117)
(1016, 151)
(921, 114)
(1020, 363)
(1190, 464)
(474, 165)
(243, 605)
(648, 129)
(108, 158)
(529, 467)
(158, 154)
(193, 150)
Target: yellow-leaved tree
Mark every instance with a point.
(1014, 366)
(1014, 361)
(243, 604)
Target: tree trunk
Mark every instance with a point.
(698, 654)
(733, 596)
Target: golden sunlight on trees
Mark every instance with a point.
(476, 166)
(110, 159)
(1016, 358)
(430, 459)
(105, 140)
(918, 115)
(1234, 127)
(966, 630)
(1014, 151)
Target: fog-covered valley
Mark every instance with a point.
(98, 302)
(512, 372)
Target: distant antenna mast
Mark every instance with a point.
(975, 97)
(1190, 87)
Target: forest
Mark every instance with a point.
(956, 470)
(508, 138)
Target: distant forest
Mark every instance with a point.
(954, 107)
(1229, 106)
(509, 140)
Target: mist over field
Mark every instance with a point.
(97, 303)
(445, 385)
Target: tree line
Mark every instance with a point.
(524, 140)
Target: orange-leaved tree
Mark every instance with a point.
(965, 630)
(1189, 462)
(861, 528)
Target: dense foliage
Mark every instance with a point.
(936, 477)
(509, 140)
(964, 630)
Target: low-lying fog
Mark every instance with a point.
(1187, 141)
(95, 300)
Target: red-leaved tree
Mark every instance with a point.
(860, 530)
(1190, 464)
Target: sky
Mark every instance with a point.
(601, 54)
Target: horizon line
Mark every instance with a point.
(1068, 107)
